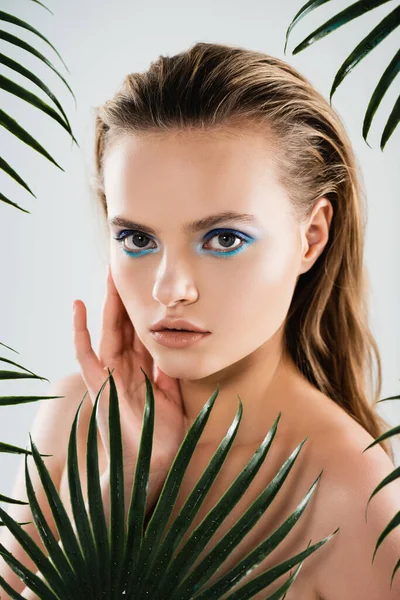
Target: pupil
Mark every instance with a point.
(139, 235)
(226, 235)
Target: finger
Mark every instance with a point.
(84, 352)
(112, 340)
(91, 369)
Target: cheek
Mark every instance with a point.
(256, 294)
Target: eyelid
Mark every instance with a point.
(206, 236)
(244, 237)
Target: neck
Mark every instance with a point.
(262, 380)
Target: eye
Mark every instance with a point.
(225, 238)
(138, 237)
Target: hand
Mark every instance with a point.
(122, 351)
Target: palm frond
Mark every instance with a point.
(386, 26)
(395, 474)
(20, 23)
(17, 90)
(41, 4)
(383, 85)
(124, 562)
(13, 39)
(13, 127)
(342, 18)
(13, 88)
(18, 68)
(4, 166)
(305, 9)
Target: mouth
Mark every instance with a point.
(178, 338)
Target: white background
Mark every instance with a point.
(58, 252)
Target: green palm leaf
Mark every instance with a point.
(18, 68)
(192, 505)
(13, 39)
(6, 200)
(211, 563)
(391, 124)
(31, 580)
(41, 561)
(41, 4)
(15, 21)
(13, 127)
(78, 506)
(374, 38)
(63, 523)
(383, 85)
(115, 565)
(10, 171)
(395, 474)
(10, 500)
(14, 88)
(345, 16)
(96, 507)
(307, 8)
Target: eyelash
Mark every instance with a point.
(246, 239)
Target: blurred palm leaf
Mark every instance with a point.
(12, 400)
(130, 560)
(17, 90)
(395, 474)
(386, 26)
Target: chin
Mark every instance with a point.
(189, 369)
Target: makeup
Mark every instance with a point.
(178, 339)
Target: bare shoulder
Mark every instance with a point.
(344, 568)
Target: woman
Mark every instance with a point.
(233, 202)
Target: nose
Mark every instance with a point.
(174, 286)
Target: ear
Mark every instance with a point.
(315, 233)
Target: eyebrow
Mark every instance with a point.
(192, 226)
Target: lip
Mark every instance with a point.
(169, 323)
(178, 339)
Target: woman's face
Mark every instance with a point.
(235, 278)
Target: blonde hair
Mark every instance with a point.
(212, 86)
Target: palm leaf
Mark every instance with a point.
(29, 578)
(79, 511)
(391, 124)
(41, 4)
(10, 449)
(18, 68)
(204, 532)
(63, 523)
(285, 587)
(14, 88)
(395, 474)
(6, 200)
(13, 39)
(10, 500)
(10, 171)
(13, 127)
(105, 566)
(20, 23)
(96, 507)
(373, 39)
(383, 85)
(342, 18)
(307, 8)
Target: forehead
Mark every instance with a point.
(191, 173)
